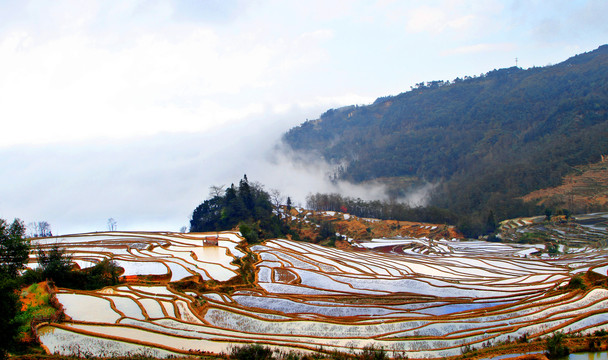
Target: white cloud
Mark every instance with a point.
(176, 78)
(455, 19)
(438, 19)
(155, 182)
(426, 19)
(479, 48)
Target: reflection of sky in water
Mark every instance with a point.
(87, 308)
(589, 356)
(456, 308)
(509, 356)
(576, 356)
(65, 342)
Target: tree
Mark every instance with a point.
(14, 252)
(40, 229)
(216, 190)
(112, 224)
(55, 264)
(14, 249)
(104, 273)
(491, 223)
(10, 305)
(44, 228)
(247, 207)
(276, 198)
(288, 203)
(327, 231)
(548, 214)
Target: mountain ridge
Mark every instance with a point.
(487, 140)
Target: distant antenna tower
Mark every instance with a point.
(515, 62)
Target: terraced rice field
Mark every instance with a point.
(417, 297)
(164, 255)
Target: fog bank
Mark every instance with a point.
(154, 182)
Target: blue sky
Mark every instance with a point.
(132, 109)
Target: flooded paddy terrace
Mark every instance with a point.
(417, 297)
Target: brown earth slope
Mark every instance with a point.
(306, 223)
(583, 192)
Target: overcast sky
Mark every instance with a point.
(132, 109)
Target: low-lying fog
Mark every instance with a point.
(154, 182)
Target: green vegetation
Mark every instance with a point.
(577, 282)
(373, 353)
(555, 346)
(327, 233)
(487, 140)
(13, 255)
(246, 208)
(534, 237)
(14, 249)
(56, 265)
(386, 210)
(259, 352)
(38, 308)
(251, 352)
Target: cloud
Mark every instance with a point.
(450, 17)
(70, 88)
(176, 77)
(300, 174)
(154, 182)
(145, 182)
(479, 48)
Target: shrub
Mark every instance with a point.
(249, 232)
(251, 352)
(370, 352)
(466, 349)
(56, 265)
(601, 332)
(555, 346)
(292, 355)
(577, 282)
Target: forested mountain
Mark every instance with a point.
(488, 140)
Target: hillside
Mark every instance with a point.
(585, 190)
(488, 140)
(308, 223)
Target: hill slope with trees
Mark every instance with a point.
(246, 207)
(488, 140)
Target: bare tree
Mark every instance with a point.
(183, 229)
(44, 229)
(276, 198)
(112, 224)
(32, 230)
(215, 190)
(40, 229)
